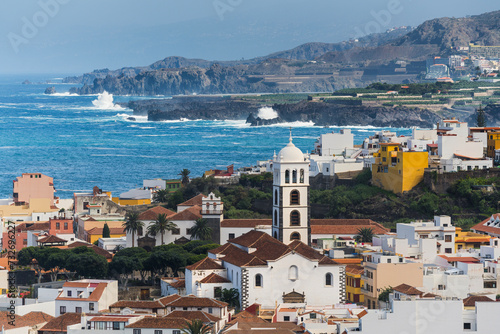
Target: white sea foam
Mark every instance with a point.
(267, 113)
(296, 124)
(105, 101)
(64, 94)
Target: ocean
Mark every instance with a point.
(82, 142)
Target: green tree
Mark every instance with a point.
(105, 231)
(384, 295)
(184, 174)
(480, 117)
(201, 230)
(232, 297)
(196, 326)
(123, 267)
(161, 225)
(86, 263)
(161, 196)
(132, 224)
(365, 234)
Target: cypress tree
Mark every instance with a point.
(481, 117)
(105, 231)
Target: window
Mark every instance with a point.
(58, 226)
(286, 318)
(91, 306)
(294, 176)
(295, 236)
(100, 325)
(184, 308)
(62, 309)
(217, 292)
(231, 236)
(447, 238)
(441, 287)
(137, 331)
(293, 273)
(79, 293)
(85, 205)
(118, 325)
(210, 310)
(313, 316)
(176, 331)
(389, 261)
(158, 331)
(65, 226)
(294, 197)
(276, 197)
(301, 176)
(78, 309)
(188, 231)
(467, 325)
(258, 280)
(275, 235)
(69, 293)
(328, 279)
(139, 231)
(287, 176)
(447, 250)
(295, 218)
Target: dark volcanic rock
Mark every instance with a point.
(50, 90)
(257, 121)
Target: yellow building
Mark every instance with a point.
(23, 212)
(493, 143)
(96, 233)
(354, 284)
(125, 202)
(398, 171)
(470, 240)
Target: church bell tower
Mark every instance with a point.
(291, 219)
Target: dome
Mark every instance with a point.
(291, 153)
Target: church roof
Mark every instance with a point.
(197, 200)
(152, 214)
(290, 153)
(205, 264)
(192, 213)
(214, 278)
(266, 249)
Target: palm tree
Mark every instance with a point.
(132, 224)
(161, 196)
(365, 234)
(201, 230)
(196, 326)
(184, 174)
(231, 296)
(161, 225)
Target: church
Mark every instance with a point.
(276, 267)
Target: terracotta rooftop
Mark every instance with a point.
(51, 239)
(193, 301)
(345, 226)
(407, 290)
(471, 301)
(354, 270)
(488, 226)
(112, 230)
(460, 258)
(251, 238)
(246, 223)
(214, 278)
(197, 200)
(168, 299)
(205, 264)
(192, 315)
(152, 214)
(192, 213)
(94, 296)
(61, 323)
(178, 284)
(135, 304)
(28, 320)
(159, 322)
(97, 250)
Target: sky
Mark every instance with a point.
(77, 36)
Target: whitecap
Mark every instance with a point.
(105, 102)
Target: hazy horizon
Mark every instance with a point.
(67, 36)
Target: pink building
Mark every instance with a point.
(33, 185)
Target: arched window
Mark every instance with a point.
(276, 197)
(301, 176)
(287, 176)
(276, 218)
(295, 236)
(258, 280)
(294, 176)
(294, 197)
(293, 273)
(295, 218)
(328, 279)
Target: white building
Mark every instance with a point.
(266, 271)
(333, 144)
(440, 229)
(86, 296)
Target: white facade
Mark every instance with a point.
(330, 166)
(332, 144)
(450, 145)
(290, 195)
(456, 165)
(440, 229)
(86, 296)
(110, 244)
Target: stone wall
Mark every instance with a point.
(439, 183)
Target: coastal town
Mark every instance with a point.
(128, 263)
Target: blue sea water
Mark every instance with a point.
(81, 146)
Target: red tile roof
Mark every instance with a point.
(214, 278)
(152, 214)
(354, 270)
(197, 200)
(137, 304)
(468, 259)
(192, 213)
(248, 223)
(482, 227)
(407, 290)
(205, 264)
(112, 230)
(61, 323)
(51, 239)
(471, 301)
(95, 295)
(193, 301)
(251, 238)
(192, 315)
(178, 284)
(345, 226)
(159, 322)
(97, 250)
(28, 320)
